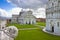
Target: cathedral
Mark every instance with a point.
(53, 16)
(24, 17)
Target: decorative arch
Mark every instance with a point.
(52, 26)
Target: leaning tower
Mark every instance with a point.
(53, 16)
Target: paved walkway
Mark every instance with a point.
(32, 28)
(40, 26)
(51, 32)
(28, 28)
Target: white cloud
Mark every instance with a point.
(4, 13)
(40, 13)
(15, 11)
(28, 3)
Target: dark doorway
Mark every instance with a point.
(29, 22)
(52, 28)
(26, 22)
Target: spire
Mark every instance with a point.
(20, 12)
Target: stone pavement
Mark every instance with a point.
(40, 26)
(28, 28)
(32, 28)
(51, 32)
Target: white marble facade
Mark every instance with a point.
(53, 16)
(2, 23)
(24, 17)
(14, 18)
(7, 33)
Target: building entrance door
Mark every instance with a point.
(52, 25)
(52, 28)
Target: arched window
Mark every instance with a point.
(51, 23)
(58, 24)
(59, 3)
(49, 0)
(52, 4)
(52, 13)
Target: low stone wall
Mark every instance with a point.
(50, 32)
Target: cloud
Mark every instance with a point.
(15, 10)
(39, 13)
(32, 4)
(4, 13)
(38, 7)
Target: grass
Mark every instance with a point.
(27, 25)
(36, 34)
(22, 26)
(41, 23)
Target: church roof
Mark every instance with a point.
(24, 13)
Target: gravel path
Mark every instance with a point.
(28, 28)
(32, 28)
(40, 26)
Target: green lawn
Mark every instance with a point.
(27, 25)
(36, 34)
(41, 23)
(22, 26)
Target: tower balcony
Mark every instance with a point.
(53, 9)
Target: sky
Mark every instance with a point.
(5, 5)
(14, 7)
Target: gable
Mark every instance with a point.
(26, 14)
